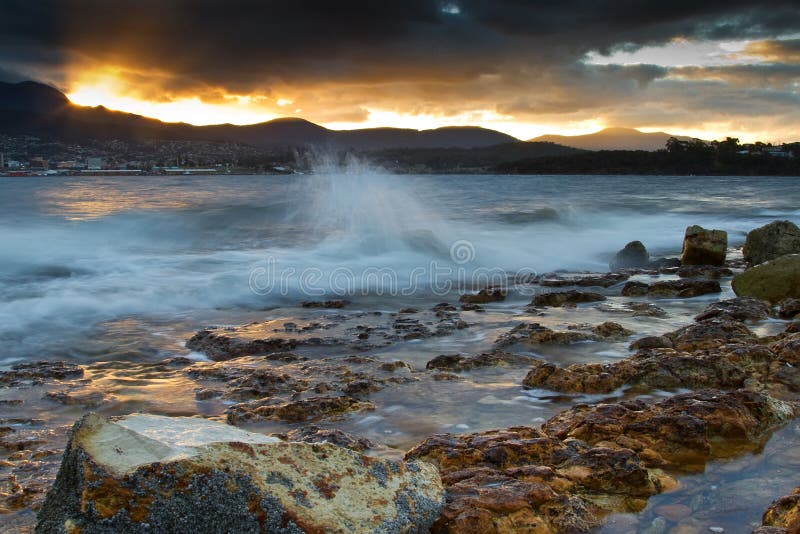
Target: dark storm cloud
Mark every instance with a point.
(336, 61)
(244, 45)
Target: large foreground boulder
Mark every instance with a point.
(162, 474)
(772, 281)
(771, 241)
(704, 247)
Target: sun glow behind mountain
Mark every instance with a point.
(251, 109)
(234, 110)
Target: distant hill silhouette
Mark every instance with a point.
(613, 139)
(38, 109)
(466, 159)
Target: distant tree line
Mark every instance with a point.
(727, 157)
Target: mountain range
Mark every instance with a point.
(612, 139)
(39, 109)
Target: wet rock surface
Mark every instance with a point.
(737, 309)
(565, 298)
(704, 247)
(671, 289)
(301, 390)
(634, 254)
(587, 462)
(770, 367)
(149, 472)
(772, 281)
(587, 280)
(635, 309)
(771, 241)
(327, 304)
(789, 308)
(310, 409)
(783, 515)
(459, 362)
(484, 296)
(703, 271)
(315, 434)
(355, 331)
(39, 372)
(536, 334)
(717, 350)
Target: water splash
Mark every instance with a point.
(362, 210)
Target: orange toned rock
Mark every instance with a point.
(784, 513)
(685, 430)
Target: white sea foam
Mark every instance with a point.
(73, 254)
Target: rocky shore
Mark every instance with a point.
(699, 379)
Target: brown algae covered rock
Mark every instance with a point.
(736, 309)
(704, 247)
(668, 289)
(772, 281)
(771, 241)
(566, 298)
(784, 514)
(590, 461)
(484, 296)
(163, 474)
(681, 432)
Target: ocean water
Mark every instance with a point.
(126, 267)
(116, 273)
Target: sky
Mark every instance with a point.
(707, 69)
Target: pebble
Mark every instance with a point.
(716, 529)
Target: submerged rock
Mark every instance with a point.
(633, 255)
(671, 288)
(610, 330)
(704, 247)
(357, 330)
(218, 346)
(772, 281)
(737, 309)
(635, 309)
(39, 372)
(151, 473)
(701, 362)
(771, 241)
(566, 298)
(484, 296)
(296, 411)
(536, 334)
(709, 334)
(315, 434)
(327, 304)
(592, 280)
(703, 271)
(458, 362)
